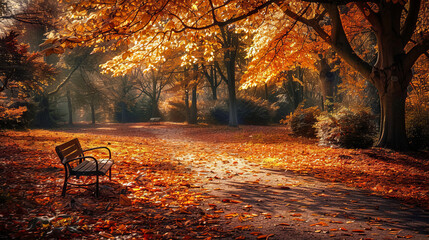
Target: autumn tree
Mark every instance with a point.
(86, 93)
(151, 83)
(19, 67)
(402, 37)
(22, 74)
(399, 27)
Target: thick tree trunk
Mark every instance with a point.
(69, 105)
(154, 108)
(391, 80)
(232, 98)
(230, 60)
(392, 121)
(392, 85)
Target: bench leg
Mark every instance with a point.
(63, 194)
(96, 187)
(110, 174)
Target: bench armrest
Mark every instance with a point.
(65, 161)
(89, 149)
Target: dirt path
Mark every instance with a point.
(252, 201)
(248, 201)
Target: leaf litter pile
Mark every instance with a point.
(153, 195)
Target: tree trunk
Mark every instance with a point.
(232, 98)
(295, 89)
(188, 113)
(215, 83)
(392, 92)
(230, 60)
(154, 108)
(92, 113)
(69, 104)
(154, 97)
(123, 111)
(43, 117)
(214, 94)
(391, 80)
(266, 91)
(392, 121)
(328, 83)
(194, 114)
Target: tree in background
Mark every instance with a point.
(31, 76)
(22, 74)
(19, 68)
(152, 83)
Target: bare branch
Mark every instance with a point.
(66, 79)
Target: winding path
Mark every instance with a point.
(249, 201)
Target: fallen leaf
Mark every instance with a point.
(319, 224)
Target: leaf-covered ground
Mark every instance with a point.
(202, 182)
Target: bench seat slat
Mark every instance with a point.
(87, 167)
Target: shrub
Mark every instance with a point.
(346, 128)
(11, 117)
(250, 111)
(417, 125)
(302, 121)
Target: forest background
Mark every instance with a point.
(337, 70)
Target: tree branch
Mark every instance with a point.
(66, 79)
(415, 53)
(341, 44)
(314, 23)
(411, 21)
(220, 72)
(340, 2)
(369, 14)
(226, 22)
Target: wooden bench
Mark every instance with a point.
(155, 120)
(77, 164)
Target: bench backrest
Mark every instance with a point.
(69, 150)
